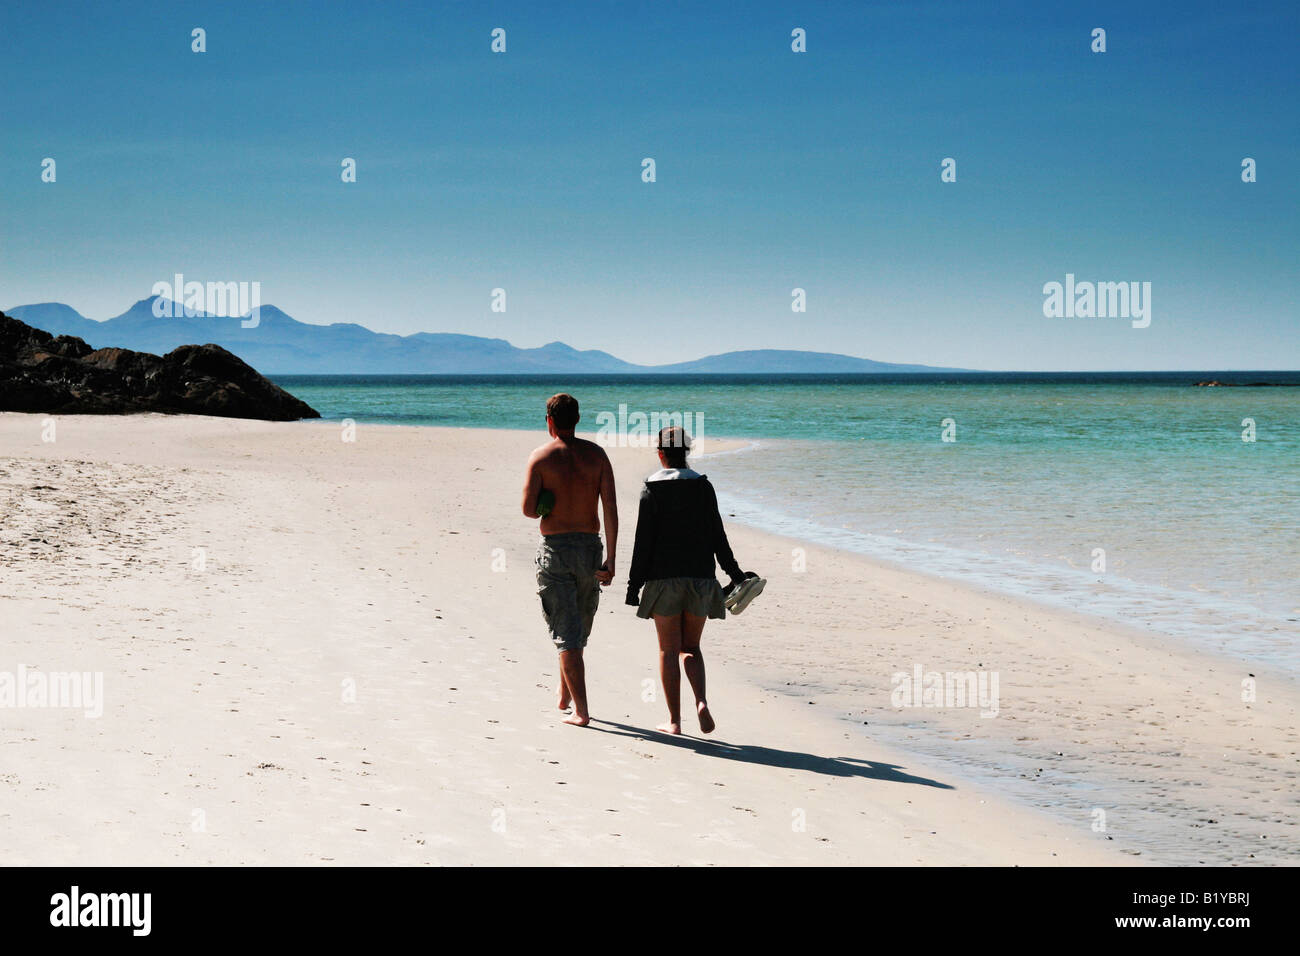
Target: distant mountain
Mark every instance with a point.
(780, 360)
(281, 345)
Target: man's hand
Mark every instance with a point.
(606, 573)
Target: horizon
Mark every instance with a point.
(927, 371)
(930, 370)
(776, 171)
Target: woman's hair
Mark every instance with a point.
(674, 443)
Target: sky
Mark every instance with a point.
(775, 170)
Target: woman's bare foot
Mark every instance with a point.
(670, 728)
(565, 699)
(706, 719)
(578, 720)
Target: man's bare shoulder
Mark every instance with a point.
(591, 449)
(545, 450)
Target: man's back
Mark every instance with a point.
(572, 468)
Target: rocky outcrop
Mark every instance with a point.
(1215, 383)
(63, 375)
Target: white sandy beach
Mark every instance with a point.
(359, 674)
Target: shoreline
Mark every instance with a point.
(1064, 790)
(1174, 613)
(805, 633)
(1171, 613)
(1062, 587)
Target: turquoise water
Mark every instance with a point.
(1200, 529)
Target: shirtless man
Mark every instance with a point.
(569, 569)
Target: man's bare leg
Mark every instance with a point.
(669, 629)
(573, 676)
(565, 697)
(693, 664)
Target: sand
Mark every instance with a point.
(325, 652)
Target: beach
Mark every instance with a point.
(321, 651)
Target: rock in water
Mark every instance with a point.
(63, 375)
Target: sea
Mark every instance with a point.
(1129, 496)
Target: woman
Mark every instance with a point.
(678, 533)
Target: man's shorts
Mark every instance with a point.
(566, 582)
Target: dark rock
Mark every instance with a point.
(64, 375)
(1215, 383)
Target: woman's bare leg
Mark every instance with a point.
(669, 629)
(693, 663)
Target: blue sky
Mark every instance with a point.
(775, 170)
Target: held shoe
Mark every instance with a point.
(739, 595)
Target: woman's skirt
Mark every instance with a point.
(699, 596)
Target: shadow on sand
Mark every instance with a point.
(770, 757)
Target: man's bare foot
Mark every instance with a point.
(670, 728)
(706, 719)
(565, 699)
(577, 721)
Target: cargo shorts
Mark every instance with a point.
(566, 583)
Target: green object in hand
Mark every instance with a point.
(545, 503)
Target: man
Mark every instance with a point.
(570, 573)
